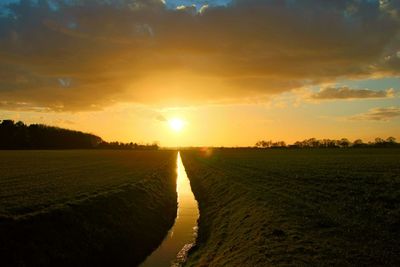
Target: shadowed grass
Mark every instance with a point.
(117, 224)
(296, 207)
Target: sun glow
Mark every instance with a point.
(176, 124)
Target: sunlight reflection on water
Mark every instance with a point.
(182, 236)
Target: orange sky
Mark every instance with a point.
(234, 71)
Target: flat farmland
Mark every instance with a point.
(84, 207)
(31, 181)
(300, 207)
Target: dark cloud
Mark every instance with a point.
(78, 55)
(379, 114)
(349, 93)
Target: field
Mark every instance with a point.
(297, 207)
(338, 207)
(69, 207)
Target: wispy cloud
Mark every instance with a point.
(161, 118)
(22, 106)
(378, 114)
(331, 93)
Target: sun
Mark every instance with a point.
(176, 124)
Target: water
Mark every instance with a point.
(182, 236)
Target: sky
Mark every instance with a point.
(234, 71)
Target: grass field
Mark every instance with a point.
(75, 208)
(336, 207)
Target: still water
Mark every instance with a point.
(182, 236)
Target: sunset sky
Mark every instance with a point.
(234, 71)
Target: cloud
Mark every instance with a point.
(330, 93)
(63, 122)
(378, 114)
(82, 55)
(161, 118)
(22, 106)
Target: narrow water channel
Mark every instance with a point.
(182, 236)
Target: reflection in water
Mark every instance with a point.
(173, 250)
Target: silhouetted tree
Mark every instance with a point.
(344, 142)
(270, 144)
(329, 143)
(39, 136)
(359, 143)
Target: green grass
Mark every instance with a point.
(84, 208)
(337, 207)
(31, 181)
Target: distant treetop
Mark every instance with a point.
(39, 136)
(330, 143)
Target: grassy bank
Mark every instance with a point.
(81, 208)
(296, 207)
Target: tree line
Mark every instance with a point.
(39, 136)
(329, 143)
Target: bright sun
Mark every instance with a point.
(176, 124)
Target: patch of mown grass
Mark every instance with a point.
(296, 207)
(115, 225)
(31, 181)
